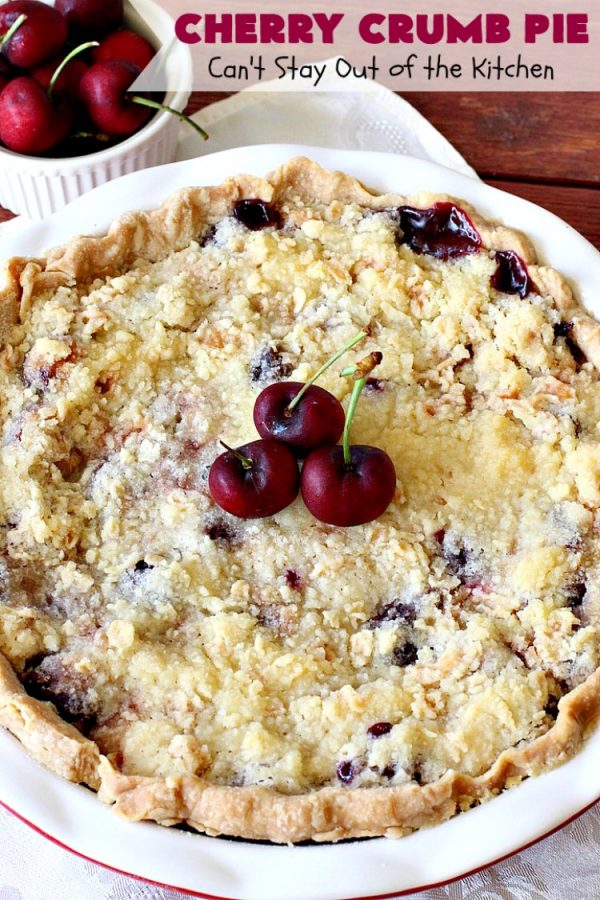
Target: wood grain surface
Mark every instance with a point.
(542, 146)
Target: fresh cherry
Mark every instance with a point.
(91, 18)
(348, 769)
(68, 81)
(346, 494)
(41, 35)
(444, 230)
(256, 480)
(104, 91)
(317, 422)
(127, 45)
(348, 485)
(302, 415)
(511, 275)
(30, 121)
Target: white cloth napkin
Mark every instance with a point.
(370, 117)
(565, 866)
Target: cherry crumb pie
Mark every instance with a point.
(281, 678)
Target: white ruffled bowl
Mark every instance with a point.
(37, 187)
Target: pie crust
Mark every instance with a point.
(252, 811)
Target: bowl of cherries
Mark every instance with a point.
(68, 120)
(299, 426)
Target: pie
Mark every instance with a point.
(279, 678)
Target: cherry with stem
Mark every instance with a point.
(256, 480)
(352, 484)
(304, 416)
(62, 66)
(32, 118)
(12, 30)
(245, 461)
(112, 108)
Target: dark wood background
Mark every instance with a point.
(542, 146)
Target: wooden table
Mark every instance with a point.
(542, 146)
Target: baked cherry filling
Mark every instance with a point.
(378, 729)
(293, 579)
(269, 365)
(348, 769)
(39, 375)
(405, 655)
(575, 591)
(562, 329)
(221, 532)
(257, 214)
(48, 678)
(511, 275)
(395, 611)
(444, 231)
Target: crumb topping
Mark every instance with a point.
(284, 651)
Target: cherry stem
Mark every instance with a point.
(66, 61)
(143, 101)
(355, 340)
(360, 372)
(356, 390)
(11, 31)
(246, 462)
(90, 135)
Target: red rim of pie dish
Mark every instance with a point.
(403, 893)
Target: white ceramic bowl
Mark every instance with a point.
(37, 187)
(72, 816)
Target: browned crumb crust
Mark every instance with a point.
(256, 812)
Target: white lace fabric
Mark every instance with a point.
(564, 866)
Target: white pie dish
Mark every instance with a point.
(37, 186)
(223, 868)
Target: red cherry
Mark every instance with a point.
(256, 480)
(6, 69)
(6, 73)
(302, 415)
(127, 45)
(103, 91)
(349, 485)
(91, 18)
(41, 36)
(348, 495)
(317, 420)
(67, 83)
(30, 122)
